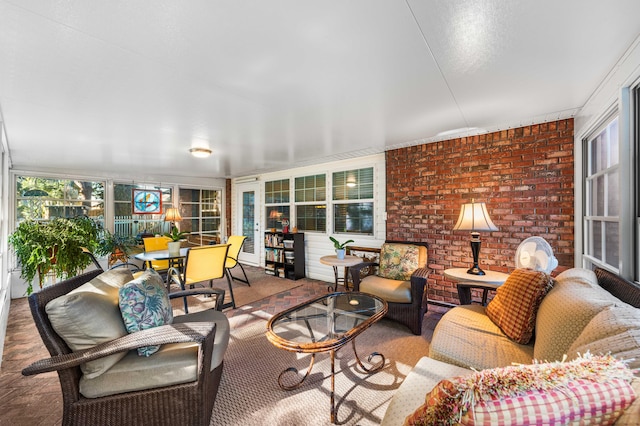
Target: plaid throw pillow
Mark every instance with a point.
(586, 391)
(515, 305)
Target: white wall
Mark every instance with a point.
(5, 281)
(611, 95)
(317, 244)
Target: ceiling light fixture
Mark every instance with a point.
(200, 152)
(351, 181)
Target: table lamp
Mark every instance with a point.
(474, 217)
(172, 215)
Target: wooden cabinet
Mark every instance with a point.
(284, 255)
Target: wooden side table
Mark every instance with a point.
(465, 282)
(345, 263)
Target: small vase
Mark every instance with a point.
(174, 248)
(340, 253)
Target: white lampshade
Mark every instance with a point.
(172, 215)
(474, 217)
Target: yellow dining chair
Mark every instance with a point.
(236, 242)
(204, 263)
(154, 244)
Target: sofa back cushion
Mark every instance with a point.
(615, 330)
(90, 315)
(515, 305)
(399, 261)
(574, 300)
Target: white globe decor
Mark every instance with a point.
(536, 253)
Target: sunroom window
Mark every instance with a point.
(42, 199)
(310, 199)
(132, 222)
(201, 211)
(353, 196)
(602, 201)
(277, 198)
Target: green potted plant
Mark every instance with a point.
(56, 245)
(176, 238)
(340, 247)
(116, 246)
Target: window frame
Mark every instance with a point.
(589, 178)
(359, 200)
(199, 237)
(318, 202)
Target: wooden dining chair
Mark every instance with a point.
(205, 263)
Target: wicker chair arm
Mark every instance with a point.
(170, 333)
(421, 273)
(355, 273)
(198, 291)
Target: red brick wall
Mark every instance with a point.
(525, 177)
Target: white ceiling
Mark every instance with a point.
(125, 85)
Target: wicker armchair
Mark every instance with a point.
(189, 403)
(407, 299)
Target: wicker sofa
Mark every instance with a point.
(104, 381)
(585, 310)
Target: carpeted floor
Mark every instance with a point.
(249, 392)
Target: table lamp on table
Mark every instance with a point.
(474, 217)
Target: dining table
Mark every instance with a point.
(151, 256)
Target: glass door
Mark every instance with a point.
(248, 223)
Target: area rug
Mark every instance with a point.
(249, 393)
(262, 286)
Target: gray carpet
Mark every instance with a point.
(249, 393)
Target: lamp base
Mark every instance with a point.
(475, 270)
(475, 249)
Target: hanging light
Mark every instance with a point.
(200, 152)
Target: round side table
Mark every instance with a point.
(332, 260)
(465, 282)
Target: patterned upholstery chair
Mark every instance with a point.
(401, 280)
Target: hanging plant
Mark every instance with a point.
(56, 245)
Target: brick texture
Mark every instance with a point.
(524, 175)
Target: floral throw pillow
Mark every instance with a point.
(590, 390)
(144, 303)
(398, 261)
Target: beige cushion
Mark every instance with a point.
(390, 290)
(615, 330)
(465, 336)
(566, 310)
(424, 376)
(172, 364)
(90, 315)
(223, 330)
(515, 305)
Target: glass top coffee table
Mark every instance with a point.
(326, 324)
